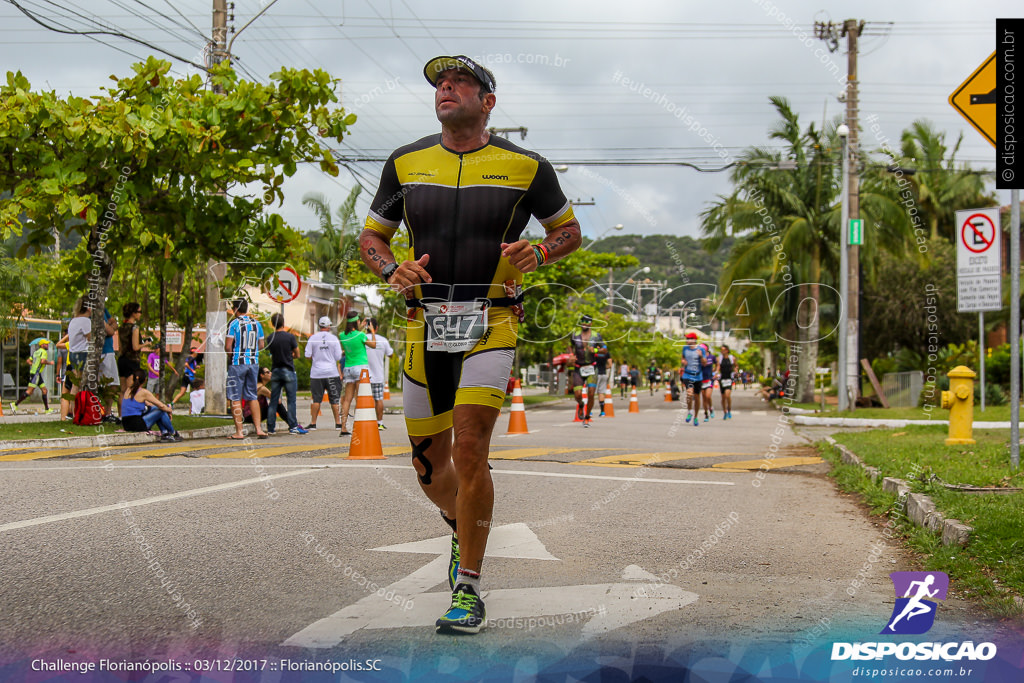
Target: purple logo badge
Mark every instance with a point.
(914, 613)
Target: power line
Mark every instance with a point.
(117, 34)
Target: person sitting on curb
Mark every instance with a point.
(140, 409)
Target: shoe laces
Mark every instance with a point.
(464, 599)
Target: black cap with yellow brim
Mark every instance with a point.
(438, 65)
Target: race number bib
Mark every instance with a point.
(726, 383)
(586, 370)
(454, 326)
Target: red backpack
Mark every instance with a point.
(88, 411)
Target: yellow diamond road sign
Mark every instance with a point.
(975, 99)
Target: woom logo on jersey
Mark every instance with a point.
(914, 614)
(494, 177)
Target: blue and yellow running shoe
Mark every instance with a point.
(466, 615)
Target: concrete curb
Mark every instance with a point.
(122, 439)
(874, 422)
(921, 510)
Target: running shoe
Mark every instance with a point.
(696, 422)
(339, 427)
(271, 432)
(712, 412)
(14, 407)
(688, 417)
(706, 418)
(344, 433)
(311, 427)
(297, 429)
(586, 423)
(466, 615)
(49, 411)
(380, 426)
(453, 562)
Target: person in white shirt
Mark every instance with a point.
(77, 339)
(325, 372)
(197, 397)
(375, 357)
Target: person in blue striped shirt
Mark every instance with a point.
(243, 344)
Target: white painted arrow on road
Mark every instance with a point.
(604, 606)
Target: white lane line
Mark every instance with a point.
(144, 501)
(361, 465)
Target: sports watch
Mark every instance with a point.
(387, 271)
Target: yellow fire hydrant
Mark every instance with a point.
(960, 401)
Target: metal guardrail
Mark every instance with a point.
(903, 389)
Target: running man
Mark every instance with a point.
(623, 379)
(584, 378)
(914, 606)
(39, 358)
(692, 376)
(189, 376)
(653, 375)
(727, 369)
(708, 381)
(466, 197)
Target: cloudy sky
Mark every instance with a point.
(571, 73)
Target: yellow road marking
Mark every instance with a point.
(519, 453)
(641, 459)
(150, 452)
(748, 465)
(385, 450)
(40, 455)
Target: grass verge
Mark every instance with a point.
(993, 561)
(991, 414)
(65, 429)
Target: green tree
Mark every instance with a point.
(787, 225)
(940, 185)
(144, 166)
(334, 248)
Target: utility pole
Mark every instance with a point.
(830, 32)
(216, 318)
(852, 29)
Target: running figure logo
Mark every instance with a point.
(913, 614)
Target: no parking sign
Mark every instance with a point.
(978, 261)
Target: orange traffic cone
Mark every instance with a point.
(609, 405)
(517, 414)
(576, 408)
(365, 444)
(387, 391)
(634, 403)
(668, 394)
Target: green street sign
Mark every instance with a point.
(856, 232)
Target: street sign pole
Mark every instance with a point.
(981, 355)
(1015, 328)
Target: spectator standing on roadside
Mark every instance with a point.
(375, 357)
(243, 344)
(77, 338)
(355, 342)
(130, 345)
(284, 349)
(325, 371)
(108, 367)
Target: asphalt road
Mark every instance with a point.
(209, 550)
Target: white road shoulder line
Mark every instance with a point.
(145, 501)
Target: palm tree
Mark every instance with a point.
(940, 188)
(334, 246)
(787, 222)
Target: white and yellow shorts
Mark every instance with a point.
(437, 381)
